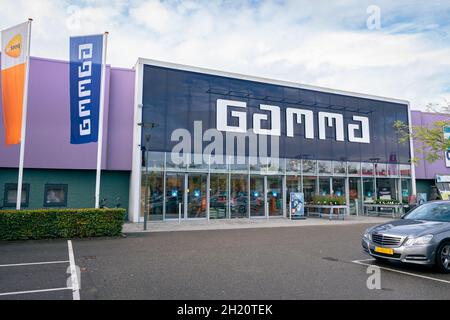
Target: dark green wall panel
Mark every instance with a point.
(81, 185)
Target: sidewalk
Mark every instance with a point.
(193, 225)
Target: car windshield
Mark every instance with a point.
(431, 212)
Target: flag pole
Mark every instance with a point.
(100, 123)
(24, 120)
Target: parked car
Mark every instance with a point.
(422, 236)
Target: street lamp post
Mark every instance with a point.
(146, 147)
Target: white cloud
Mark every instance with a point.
(301, 41)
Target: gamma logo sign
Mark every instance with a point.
(85, 81)
(293, 116)
(232, 143)
(14, 47)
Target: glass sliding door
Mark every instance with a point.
(218, 202)
(239, 196)
(174, 195)
(257, 196)
(275, 196)
(196, 195)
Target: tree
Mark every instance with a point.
(428, 141)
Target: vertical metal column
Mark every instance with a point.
(284, 195)
(208, 193)
(164, 187)
(266, 204)
(186, 187)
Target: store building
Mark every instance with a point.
(431, 177)
(204, 144)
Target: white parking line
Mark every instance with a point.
(73, 273)
(32, 263)
(361, 262)
(33, 291)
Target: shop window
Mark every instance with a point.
(324, 186)
(309, 166)
(10, 197)
(339, 187)
(339, 167)
(380, 169)
(367, 169)
(324, 167)
(369, 190)
(405, 170)
(354, 168)
(406, 190)
(387, 189)
(392, 169)
(309, 188)
(293, 165)
(55, 195)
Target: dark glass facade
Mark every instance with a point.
(174, 99)
(177, 101)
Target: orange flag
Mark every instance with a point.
(13, 68)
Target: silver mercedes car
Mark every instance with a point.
(422, 236)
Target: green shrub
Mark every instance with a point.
(328, 200)
(60, 223)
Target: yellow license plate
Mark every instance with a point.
(384, 250)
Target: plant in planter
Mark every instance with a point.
(329, 200)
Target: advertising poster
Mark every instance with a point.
(297, 205)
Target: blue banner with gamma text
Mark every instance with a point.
(86, 54)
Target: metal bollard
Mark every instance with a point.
(179, 212)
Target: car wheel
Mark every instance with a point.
(443, 257)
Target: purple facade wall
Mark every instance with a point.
(425, 170)
(48, 122)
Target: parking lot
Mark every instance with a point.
(310, 262)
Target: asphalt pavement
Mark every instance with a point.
(314, 262)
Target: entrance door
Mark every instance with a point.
(275, 196)
(257, 196)
(174, 195)
(196, 195)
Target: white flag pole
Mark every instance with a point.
(100, 123)
(24, 120)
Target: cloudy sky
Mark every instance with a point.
(340, 44)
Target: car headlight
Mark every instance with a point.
(419, 241)
(367, 235)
